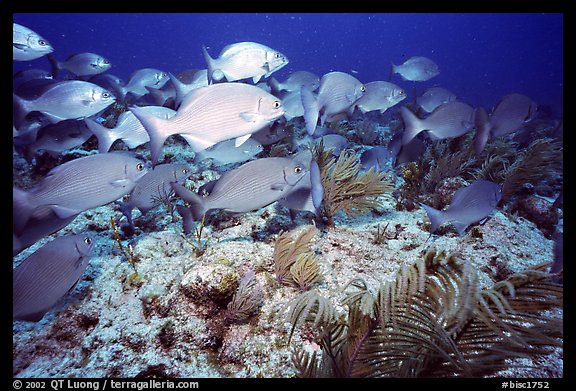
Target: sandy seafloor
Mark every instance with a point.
(107, 327)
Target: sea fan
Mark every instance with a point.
(246, 300)
(287, 251)
(431, 320)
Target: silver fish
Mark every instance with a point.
(449, 120)
(71, 99)
(248, 187)
(152, 187)
(337, 93)
(295, 81)
(335, 142)
(142, 78)
(111, 83)
(244, 60)
(27, 75)
(292, 103)
(272, 133)
(43, 278)
(434, 97)
(417, 68)
(78, 185)
(380, 95)
(378, 157)
(28, 45)
(513, 111)
(36, 229)
(128, 128)
(212, 114)
(81, 64)
(469, 205)
(54, 138)
(226, 153)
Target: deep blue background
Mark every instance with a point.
(481, 56)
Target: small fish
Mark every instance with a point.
(244, 60)
(212, 114)
(410, 152)
(152, 187)
(272, 133)
(416, 68)
(380, 95)
(128, 128)
(54, 138)
(513, 111)
(335, 142)
(81, 64)
(73, 99)
(482, 125)
(111, 83)
(449, 120)
(43, 278)
(248, 187)
(295, 81)
(27, 75)
(78, 185)
(337, 93)
(378, 157)
(28, 45)
(469, 205)
(434, 97)
(226, 153)
(142, 78)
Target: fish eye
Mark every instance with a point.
(297, 169)
(42, 42)
(105, 95)
(184, 171)
(277, 55)
(276, 104)
(106, 61)
(87, 241)
(140, 166)
(362, 88)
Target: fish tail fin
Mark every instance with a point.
(209, 63)
(311, 109)
(436, 217)
(55, 65)
(317, 189)
(412, 125)
(187, 219)
(179, 87)
(105, 136)
(482, 124)
(197, 205)
(392, 71)
(274, 85)
(21, 209)
(126, 210)
(156, 129)
(20, 110)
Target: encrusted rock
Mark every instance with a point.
(215, 282)
(540, 212)
(445, 191)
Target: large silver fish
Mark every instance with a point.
(152, 187)
(417, 68)
(212, 114)
(43, 278)
(248, 187)
(81, 64)
(72, 99)
(295, 81)
(28, 45)
(449, 120)
(78, 185)
(434, 97)
(469, 205)
(337, 93)
(128, 128)
(244, 60)
(380, 95)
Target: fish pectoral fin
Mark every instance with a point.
(120, 183)
(250, 117)
(19, 46)
(241, 140)
(63, 212)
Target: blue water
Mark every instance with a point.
(481, 56)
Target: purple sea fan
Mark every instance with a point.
(246, 300)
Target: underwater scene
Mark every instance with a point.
(287, 195)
